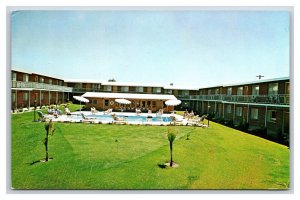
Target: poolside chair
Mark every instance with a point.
(160, 112)
(196, 121)
(176, 121)
(67, 111)
(108, 111)
(43, 117)
(119, 120)
(138, 111)
(87, 119)
(93, 110)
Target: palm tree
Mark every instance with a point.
(49, 127)
(171, 138)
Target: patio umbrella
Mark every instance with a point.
(173, 102)
(81, 99)
(123, 101)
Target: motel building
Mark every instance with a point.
(261, 104)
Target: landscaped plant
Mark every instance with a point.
(49, 127)
(171, 138)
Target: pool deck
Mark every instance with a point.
(76, 118)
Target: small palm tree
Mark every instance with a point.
(171, 138)
(49, 127)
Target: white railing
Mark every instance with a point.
(45, 86)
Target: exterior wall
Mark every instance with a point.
(100, 105)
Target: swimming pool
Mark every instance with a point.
(131, 118)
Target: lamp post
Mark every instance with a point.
(208, 107)
(34, 112)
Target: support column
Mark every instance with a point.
(49, 97)
(40, 98)
(28, 99)
(223, 110)
(233, 111)
(248, 114)
(16, 100)
(266, 114)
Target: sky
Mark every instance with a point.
(193, 48)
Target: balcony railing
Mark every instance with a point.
(263, 99)
(45, 86)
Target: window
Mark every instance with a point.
(157, 90)
(107, 88)
(239, 111)
(25, 96)
(50, 81)
(36, 79)
(273, 89)
(254, 113)
(229, 91)
(228, 109)
(255, 90)
(148, 103)
(217, 91)
(209, 92)
(25, 77)
(185, 93)
(94, 102)
(124, 89)
(42, 96)
(143, 104)
(14, 76)
(139, 89)
(138, 104)
(42, 80)
(272, 115)
(96, 86)
(240, 90)
(106, 102)
(167, 91)
(153, 103)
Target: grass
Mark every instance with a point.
(95, 156)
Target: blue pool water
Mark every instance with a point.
(137, 118)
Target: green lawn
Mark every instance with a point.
(87, 156)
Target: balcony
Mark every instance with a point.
(40, 86)
(282, 99)
(80, 90)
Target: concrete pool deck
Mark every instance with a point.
(76, 117)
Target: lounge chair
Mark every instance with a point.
(93, 110)
(67, 111)
(108, 111)
(176, 121)
(160, 112)
(119, 120)
(88, 119)
(138, 111)
(196, 121)
(43, 117)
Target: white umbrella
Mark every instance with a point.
(173, 102)
(81, 99)
(123, 101)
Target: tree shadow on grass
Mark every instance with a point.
(40, 161)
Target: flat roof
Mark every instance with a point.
(128, 96)
(29, 72)
(258, 81)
